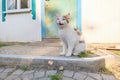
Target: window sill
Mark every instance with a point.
(17, 11)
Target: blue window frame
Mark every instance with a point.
(15, 6)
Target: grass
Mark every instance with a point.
(105, 71)
(56, 77)
(24, 68)
(115, 52)
(2, 45)
(85, 54)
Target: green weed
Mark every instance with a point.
(56, 77)
(85, 54)
(24, 68)
(116, 52)
(105, 71)
(2, 45)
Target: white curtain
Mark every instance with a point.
(25, 4)
(11, 4)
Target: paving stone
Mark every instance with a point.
(28, 72)
(95, 76)
(27, 77)
(9, 70)
(37, 79)
(1, 70)
(44, 79)
(66, 78)
(68, 73)
(11, 77)
(89, 78)
(51, 72)
(3, 75)
(39, 74)
(108, 77)
(17, 72)
(85, 73)
(17, 79)
(79, 76)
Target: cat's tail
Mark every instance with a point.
(78, 31)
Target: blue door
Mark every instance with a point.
(53, 7)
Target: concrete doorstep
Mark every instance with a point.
(70, 63)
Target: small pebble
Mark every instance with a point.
(50, 63)
(61, 68)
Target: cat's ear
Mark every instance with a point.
(68, 16)
(57, 15)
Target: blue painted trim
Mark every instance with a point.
(43, 19)
(33, 9)
(79, 15)
(3, 10)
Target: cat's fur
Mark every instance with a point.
(70, 37)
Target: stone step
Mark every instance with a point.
(70, 63)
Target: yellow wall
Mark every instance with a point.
(101, 21)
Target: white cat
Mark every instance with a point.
(70, 37)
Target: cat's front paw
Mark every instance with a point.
(68, 54)
(62, 53)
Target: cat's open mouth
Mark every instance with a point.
(60, 24)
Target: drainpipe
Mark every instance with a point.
(79, 15)
(43, 19)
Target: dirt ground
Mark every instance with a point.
(115, 69)
(47, 47)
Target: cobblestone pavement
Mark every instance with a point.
(44, 74)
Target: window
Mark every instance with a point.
(11, 4)
(18, 5)
(25, 4)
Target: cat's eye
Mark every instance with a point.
(57, 19)
(63, 19)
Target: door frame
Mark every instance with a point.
(78, 17)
